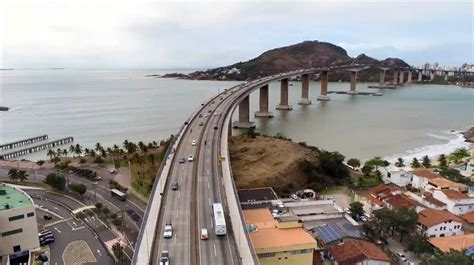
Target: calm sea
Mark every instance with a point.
(109, 106)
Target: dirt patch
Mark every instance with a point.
(264, 161)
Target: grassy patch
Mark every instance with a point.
(365, 182)
(333, 190)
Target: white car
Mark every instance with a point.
(168, 232)
(190, 158)
(193, 143)
(402, 257)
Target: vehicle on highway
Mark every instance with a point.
(216, 113)
(165, 258)
(118, 194)
(219, 219)
(201, 123)
(174, 185)
(47, 217)
(209, 111)
(215, 127)
(204, 235)
(190, 158)
(401, 257)
(168, 232)
(182, 160)
(200, 115)
(193, 143)
(46, 241)
(206, 115)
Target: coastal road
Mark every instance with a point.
(178, 205)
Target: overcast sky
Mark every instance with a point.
(157, 34)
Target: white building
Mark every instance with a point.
(18, 226)
(456, 202)
(420, 178)
(439, 223)
(400, 176)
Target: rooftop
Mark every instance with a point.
(432, 217)
(455, 195)
(444, 183)
(268, 235)
(445, 244)
(469, 217)
(355, 251)
(434, 201)
(336, 230)
(12, 198)
(399, 200)
(426, 174)
(257, 194)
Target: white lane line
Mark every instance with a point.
(179, 194)
(208, 185)
(209, 201)
(98, 251)
(59, 231)
(177, 214)
(215, 251)
(207, 171)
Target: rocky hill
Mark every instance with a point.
(307, 54)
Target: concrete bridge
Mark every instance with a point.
(209, 178)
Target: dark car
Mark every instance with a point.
(165, 258)
(43, 257)
(47, 217)
(215, 127)
(46, 241)
(174, 185)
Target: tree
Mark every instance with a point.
(56, 181)
(354, 162)
(458, 155)
(72, 149)
(400, 162)
(415, 163)
(357, 209)
(78, 149)
(98, 205)
(22, 175)
(442, 162)
(451, 258)
(40, 162)
(152, 159)
(407, 220)
(376, 162)
(51, 153)
(99, 160)
(79, 188)
(13, 174)
(419, 243)
(426, 162)
(367, 170)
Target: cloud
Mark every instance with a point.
(146, 33)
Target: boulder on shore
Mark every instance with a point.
(469, 135)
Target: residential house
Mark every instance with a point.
(355, 252)
(400, 176)
(459, 243)
(439, 223)
(444, 184)
(456, 202)
(420, 178)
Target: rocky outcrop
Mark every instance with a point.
(308, 54)
(469, 135)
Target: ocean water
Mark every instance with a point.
(109, 106)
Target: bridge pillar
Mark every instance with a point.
(263, 111)
(445, 75)
(402, 77)
(244, 117)
(352, 90)
(305, 90)
(382, 77)
(324, 87)
(420, 75)
(395, 76)
(284, 96)
(410, 77)
(432, 75)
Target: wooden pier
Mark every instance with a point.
(36, 148)
(24, 142)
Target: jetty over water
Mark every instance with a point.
(36, 148)
(24, 142)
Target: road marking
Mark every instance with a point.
(56, 208)
(208, 169)
(59, 231)
(179, 194)
(215, 251)
(209, 201)
(74, 223)
(99, 253)
(208, 185)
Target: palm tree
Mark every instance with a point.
(22, 175)
(426, 162)
(86, 151)
(72, 149)
(151, 159)
(138, 159)
(415, 163)
(78, 149)
(51, 153)
(13, 174)
(125, 144)
(65, 152)
(98, 147)
(400, 162)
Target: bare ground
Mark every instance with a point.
(264, 161)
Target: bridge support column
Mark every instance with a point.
(284, 96)
(445, 75)
(352, 90)
(263, 111)
(395, 76)
(305, 90)
(402, 77)
(244, 117)
(432, 75)
(382, 78)
(420, 75)
(324, 87)
(410, 77)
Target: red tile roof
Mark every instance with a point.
(398, 201)
(454, 195)
(469, 217)
(354, 251)
(434, 201)
(432, 217)
(426, 174)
